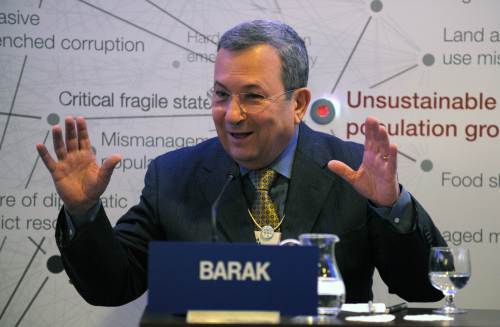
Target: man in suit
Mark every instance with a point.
(320, 184)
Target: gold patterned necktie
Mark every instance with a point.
(263, 209)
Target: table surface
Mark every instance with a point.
(472, 318)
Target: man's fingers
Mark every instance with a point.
(83, 135)
(46, 157)
(59, 146)
(393, 157)
(71, 136)
(343, 170)
(383, 143)
(371, 128)
(377, 138)
(382, 136)
(108, 167)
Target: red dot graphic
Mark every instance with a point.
(323, 110)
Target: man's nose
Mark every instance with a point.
(234, 111)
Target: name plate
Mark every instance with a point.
(223, 276)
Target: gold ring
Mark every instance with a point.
(385, 157)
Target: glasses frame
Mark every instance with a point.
(270, 99)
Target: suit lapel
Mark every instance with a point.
(308, 190)
(310, 185)
(233, 221)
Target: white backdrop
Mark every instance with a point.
(140, 71)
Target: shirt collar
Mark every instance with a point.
(283, 164)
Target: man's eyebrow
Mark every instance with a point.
(248, 87)
(216, 83)
(253, 87)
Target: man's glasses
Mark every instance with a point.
(249, 102)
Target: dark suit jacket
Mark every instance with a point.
(109, 266)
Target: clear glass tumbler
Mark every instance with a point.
(331, 289)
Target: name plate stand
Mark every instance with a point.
(222, 282)
(232, 317)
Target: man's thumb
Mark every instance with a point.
(341, 169)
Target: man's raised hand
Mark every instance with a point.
(376, 178)
(79, 180)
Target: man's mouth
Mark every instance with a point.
(240, 135)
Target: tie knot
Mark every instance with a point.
(263, 178)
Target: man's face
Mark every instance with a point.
(253, 139)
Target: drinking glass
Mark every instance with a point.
(449, 271)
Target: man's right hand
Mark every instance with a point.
(79, 180)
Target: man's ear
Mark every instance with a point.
(302, 98)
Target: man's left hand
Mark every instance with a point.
(376, 178)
